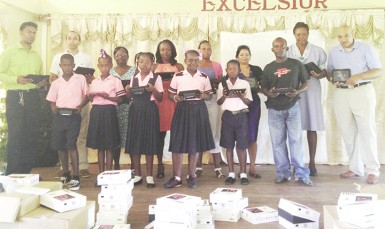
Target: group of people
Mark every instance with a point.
(133, 107)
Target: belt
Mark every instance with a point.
(67, 111)
(352, 86)
(240, 111)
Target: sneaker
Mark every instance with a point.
(173, 183)
(65, 178)
(84, 173)
(59, 174)
(73, 185)
(198, 172)
(191, 182)
(138, 180)
(305, 181)
(280, 179)
(244, 181)
(219, 174)
(230, 180)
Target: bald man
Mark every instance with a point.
(284, 116)
(354, 103)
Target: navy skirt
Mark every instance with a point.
(190, 128)
(143, 128)
(103, 129)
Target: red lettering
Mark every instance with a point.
(287, 3)
(223, 5)
(205, 3)
(265, 6)
(294, 5)
(251, 3)
(305, 7)
(236, 8)
(320, 2)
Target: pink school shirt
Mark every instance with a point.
(158, 83)
(184, 81)
(68, 94)
(111, 85)
(235, 104)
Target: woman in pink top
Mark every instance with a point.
(103, 130)
(165, 63)
(143, 117)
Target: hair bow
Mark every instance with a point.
(103, 53)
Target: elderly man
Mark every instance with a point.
(355, 102)
(23, 101)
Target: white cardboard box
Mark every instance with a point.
(9, 208)
(32, 190)
(204, 215)
(111, 217)
(51, 185)
(177, 201)
(228, 216)
(289, 225)
(25, 179)
(179, 215)
(331, 219)
(257, 215)
(369, 214)
(174, 225)
(221, 195)
(63, 200)
(116, 205)
(116, 226)
(43, 217)
(296, 213)
(28, 202)
(118, 188)
(113, 197)
(114, 177)
(225, 205)
(347, 198)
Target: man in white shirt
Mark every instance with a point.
(83, 60)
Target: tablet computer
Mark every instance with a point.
(166, 76)
(312, 67)
(214, 84)
(282, 90)
(84, 70)
(189, 94)
(340, 75)
(234, 92)
(138, 90)
(37, 78)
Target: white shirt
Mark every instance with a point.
(235, 104)
(81, 59)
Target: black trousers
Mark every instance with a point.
(23, 118)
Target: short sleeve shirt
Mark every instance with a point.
(81, 59)
(184, 81)
(235, 104)
(289, 74)
(157, 85)
(111, 85)
(68, 94)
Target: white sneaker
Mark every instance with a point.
(73, 185)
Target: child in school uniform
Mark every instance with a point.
(103, 130)
(234, 120)
(66, 95)
(143, 117)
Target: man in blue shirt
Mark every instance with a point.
(355, 103)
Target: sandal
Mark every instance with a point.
(198, 172)
(219, 174)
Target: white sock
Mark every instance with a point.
(232, 174)
(150, 180)
(177, 178)
(243, 175)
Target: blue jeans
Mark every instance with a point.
(283, 124)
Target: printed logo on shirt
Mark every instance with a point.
(282, 71)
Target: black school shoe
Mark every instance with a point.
(229, 180)
(244, 181)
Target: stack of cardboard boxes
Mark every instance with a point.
(115, 198)
(24, 202)
(227, 204)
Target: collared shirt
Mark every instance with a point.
(361, 58)
(157, 85)
(235, 104)
(184, 81)
(17, 61)
(111, 85)
(81, 59)
(312, 53)
(68, 94)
